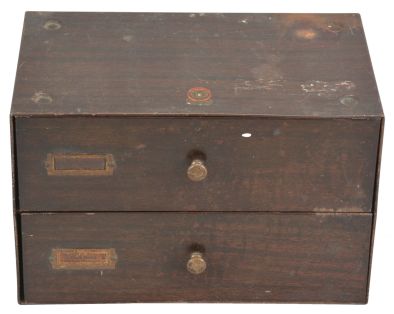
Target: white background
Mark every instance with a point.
(378, 20)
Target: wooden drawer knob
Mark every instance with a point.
(197, 170)
(196, 264)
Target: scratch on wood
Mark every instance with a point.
(127, 38)
(351, 30)
(259, 84)
(21, 65)
(324, 88)
(89, 38)
(269, 70)
(41, 97)
(319, 22)
(140, 146)
(324, 210)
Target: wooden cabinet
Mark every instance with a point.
(194, 158)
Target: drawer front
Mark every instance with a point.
(147, 164)
(238, 257)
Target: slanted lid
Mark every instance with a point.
(303, 65)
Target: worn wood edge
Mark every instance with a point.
(188, 12)
(375, 206)
(223, 211)
(365, 43)
(16, 215)
(15, 192)
(331, 302)
(88, 213)
(193, 115)
(94, 212)
(378, 163)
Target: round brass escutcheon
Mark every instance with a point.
(197, 170)
(196, 264)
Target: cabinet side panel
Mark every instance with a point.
(15, 201)
(375, 202)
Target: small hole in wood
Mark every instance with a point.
(246, 135)
(349, 100)
(52, 25)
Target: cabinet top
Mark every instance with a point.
(195, 64)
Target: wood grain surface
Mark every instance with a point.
(138, 63)
(251, 257)
(284, 112)
(316, 165)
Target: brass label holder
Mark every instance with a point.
(79, 259)
(70, 164)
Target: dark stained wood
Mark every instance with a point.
(16, 220)
(251, 257)
(286, 165)
(284, 215)
(375, 202)
(138, 63)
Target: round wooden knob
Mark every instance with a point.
(197, 170)
(196, 264)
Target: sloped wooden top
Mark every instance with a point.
(301, 65)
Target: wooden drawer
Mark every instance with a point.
(251, 257)
(140, 164)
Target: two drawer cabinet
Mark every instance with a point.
(194, 158)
